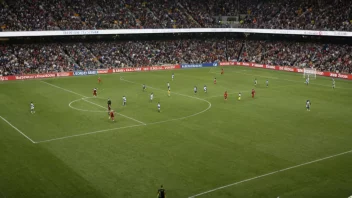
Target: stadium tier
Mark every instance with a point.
(27, 15)
(56, 57)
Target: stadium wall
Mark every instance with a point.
(90, 72)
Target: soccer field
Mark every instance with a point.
(199, 145)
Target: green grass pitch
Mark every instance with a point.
(197, 143)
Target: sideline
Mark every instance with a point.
(18, 130)
(271, 173)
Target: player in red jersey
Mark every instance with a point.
(112, 115)
(95, 92)
(99, 80)
(214, 81)
(253, 93)
(225, 95)
(222, 71)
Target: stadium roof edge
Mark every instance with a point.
(170, 31)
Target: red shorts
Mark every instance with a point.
(94, 94)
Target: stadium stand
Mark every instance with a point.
(324, 57)
(107, 14)
(26, 15)
(35, 58)
(308, 15)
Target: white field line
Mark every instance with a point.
(271, 173)
(250, 91)
(63, 89)
(78, 109)
(89, 133)
(131, 126)
(209, 103)
(115, 112)
(270, 77)
(249, 74)
(18, 130)
(91, 102)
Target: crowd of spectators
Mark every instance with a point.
(329, 15)
(201, 13)
(108, 14)
(109, 54)
(82, 56)
(37, 58)
(8, 20)
(144, 53)
(8, 61)
(145, 18)
(31, 15)
(324, 57)
(34, 58)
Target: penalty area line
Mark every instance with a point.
(271, 173)
(18, 130)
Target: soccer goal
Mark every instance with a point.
(311, 72)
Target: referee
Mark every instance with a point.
(161, 192)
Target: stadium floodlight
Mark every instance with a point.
(311, 72)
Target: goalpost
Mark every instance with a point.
(311, 72)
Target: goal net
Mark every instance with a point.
(311, 72)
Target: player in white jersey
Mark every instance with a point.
(144, 87)
(124, 101)
(159, 107)
(32, 108)
(168, 85)
(205, 89)
(267, 83)
(151, 97)
(195, 89)
(255, 82)
(307, 80)
(239, 96)
(308, 103)
(333, 83)
(172, 76)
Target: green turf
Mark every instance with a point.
(197, 143)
